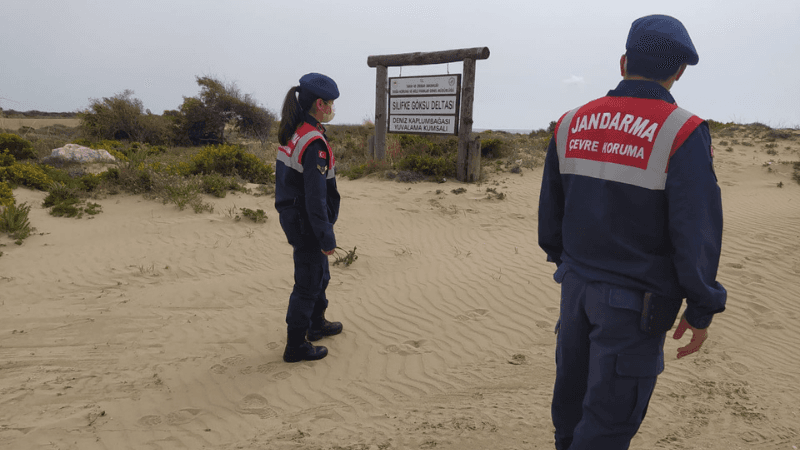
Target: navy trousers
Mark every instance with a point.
(308, 302)
(606, 367)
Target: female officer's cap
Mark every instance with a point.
(319, 85)
(661, 36)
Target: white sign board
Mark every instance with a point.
(436, 85)
(424, 105)
(422, 124)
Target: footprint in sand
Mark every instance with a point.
(738, 368)
(233, 360)
(273, 345)
(281, 375)
(473, 314)
(518, 359)
(410, 347)
(219, 369)
(765, 318)
(268, 367)
(257, 405)
(182, 417)
(149, 421)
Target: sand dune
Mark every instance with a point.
(146, 327)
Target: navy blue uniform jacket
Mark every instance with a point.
(662, 241)
(312, 193)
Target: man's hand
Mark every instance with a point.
(329, 252)
(698, 337)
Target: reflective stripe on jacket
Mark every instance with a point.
(629, 140)
(291, 154)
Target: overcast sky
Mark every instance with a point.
(546, 57)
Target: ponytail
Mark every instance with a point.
(291, 116)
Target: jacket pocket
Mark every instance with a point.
(292, 224)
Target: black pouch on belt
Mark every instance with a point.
(659, 313)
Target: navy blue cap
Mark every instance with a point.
(661, 36)
(319, 85)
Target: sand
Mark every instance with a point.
(146, 327)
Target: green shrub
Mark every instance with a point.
(64, 201)
(414, 144)
(362, 170)
(714, 126)
(6, 159)
(438, 167)
(90, 181)
(218, 186)
(491, 148)
(29, 175)
(232, 160)
(14, 221)
(60, 193)
(123, 117)
(203, 119)
(442, 146)
(18, 148)
(6, 195)
(181, 191)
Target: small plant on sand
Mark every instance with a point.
(257, 216)
(491, 193)
(14, 221)
(218, 185)
(348, 258)
(65, 201)
(181, 191)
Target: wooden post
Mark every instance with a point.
(371, 147)
(465, 170)
(474, 160)
(381, 84)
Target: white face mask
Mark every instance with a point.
(327, 117)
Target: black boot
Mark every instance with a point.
(298, 349)
(321, 328)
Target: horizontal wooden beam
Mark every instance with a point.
(424, 58)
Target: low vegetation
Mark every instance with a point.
(156, 158)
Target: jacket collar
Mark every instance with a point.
(641, 89)
(315, 123)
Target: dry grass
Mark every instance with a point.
(15, 124)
